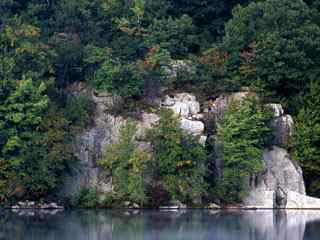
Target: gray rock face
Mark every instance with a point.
(183, 104)
(219, 105)
(276, 108)
(281, 172)
(187, 107)
(281, 185)
(147, 121)
(194, 127)
(283, 126)
(90, 145)
(215, 111)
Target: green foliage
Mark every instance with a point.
(127, 165)
(79, 110)
(306, 139)
(125, 47)
(32, 138)
(21, 112)
(266, 40)
(213, 73)
(152, 70)
(133, 79)
(117, 78)
(180, 161)
(241, 136)
(85, 198)
(209, 16)
(178, 36)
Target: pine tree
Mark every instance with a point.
(180, 160)
(306, 139)
(242, 134)
(127, 165)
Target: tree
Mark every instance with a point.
(133, 79)
(208, 16)
(306, 139)
(128, 165)
(118, 78)
(34, 150)
(180, 161)
(21, 111)
(178, 35)
(152, 70)
(266, 40)
(242, 134)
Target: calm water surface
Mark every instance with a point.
(160, 225)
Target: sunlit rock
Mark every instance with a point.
(182, 104)
(283, 127)
(277, 109)
(193, 127)
(281, 185)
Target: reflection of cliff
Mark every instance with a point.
(154, 225)
(283, 224)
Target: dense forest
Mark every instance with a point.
(124, 47)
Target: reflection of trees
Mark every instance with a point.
(155, 225)
(19, 225)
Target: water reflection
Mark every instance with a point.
(155, 225)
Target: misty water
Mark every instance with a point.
(158, 225)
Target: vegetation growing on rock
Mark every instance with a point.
(242, 134)
(127, 48)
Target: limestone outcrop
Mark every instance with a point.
(281, 185)
(90, 145)
(284, 127)
(217, 107)
(187, 108)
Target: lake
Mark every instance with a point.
(160, 225)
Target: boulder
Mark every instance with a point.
(181, 109)
(174, 205)
(187, 107)
(276, 108)
(182, 104)
(281, 172)
(282, 124)
(195, 128)
(219, 105)
(213, 206)
(297, 200)
(203, 140)
(283, 127)
(281, 185)
(168, 101)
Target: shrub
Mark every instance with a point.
(85, 198)
(79, 110)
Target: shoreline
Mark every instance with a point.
(158, 209)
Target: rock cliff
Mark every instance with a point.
(281, 185)
(89, 145)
